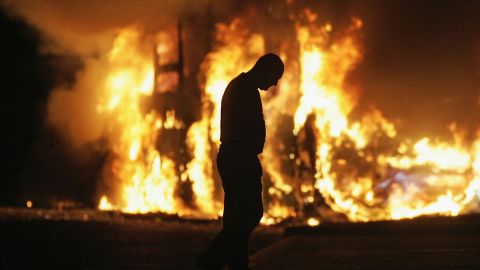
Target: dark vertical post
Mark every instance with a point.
(180, 57)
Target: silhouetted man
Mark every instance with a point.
(242, 137)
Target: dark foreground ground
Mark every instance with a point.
(86, 239)
(426, 243)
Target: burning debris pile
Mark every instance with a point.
(161, 158)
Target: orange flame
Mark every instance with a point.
(145, 179)
(360, 168)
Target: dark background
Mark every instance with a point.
(421, 68)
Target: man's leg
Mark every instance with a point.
(244, 212)
(215, 256)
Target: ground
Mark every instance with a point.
(88, 239)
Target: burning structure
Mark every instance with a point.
(158, 116)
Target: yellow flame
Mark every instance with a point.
(404, 182)
(200, 168)
(360, 168)
(146, 181)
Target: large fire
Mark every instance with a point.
(146, 180)
(313, 151)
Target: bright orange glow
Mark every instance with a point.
(313, 222)
(146, 181)
(360, 169)
(199, 169)
(431, 179)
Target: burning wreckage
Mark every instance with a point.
(161, 126)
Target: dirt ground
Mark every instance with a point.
(87, 239)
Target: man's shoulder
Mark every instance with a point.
(235, 85)
(240, 84)
(237, 81)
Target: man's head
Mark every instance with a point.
(267, 71)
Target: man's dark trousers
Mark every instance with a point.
(241, 179)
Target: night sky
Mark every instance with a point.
(421, 68)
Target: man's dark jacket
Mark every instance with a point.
(242, 123)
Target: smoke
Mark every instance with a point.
(85, 26)
(73, 111)
(86, 29)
